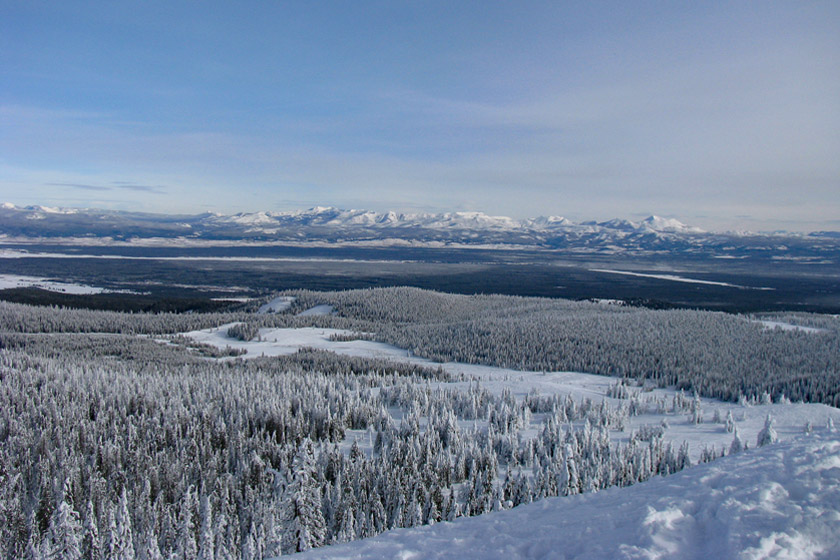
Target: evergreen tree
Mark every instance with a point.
(64, 535)
(302, 517)
(186, 547)
(570, 476)
(120, 537)
(249, 547)
(767, 434)
(91, 543)
(206, 537)
(730, 422)
(737, 445)
(149, 546)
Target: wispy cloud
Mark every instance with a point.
(114, 186)
(159, 189)
(79, 186)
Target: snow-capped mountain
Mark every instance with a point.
(474, 229)
(655, 223)
(329, 216)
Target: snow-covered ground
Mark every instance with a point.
(279, 342)
(8, 281)
(280, 303)
(789, 419)
(675, 278)
(788, 326)
(778, 501)
(322, 309)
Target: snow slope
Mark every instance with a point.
(322, 309)
(778, 501)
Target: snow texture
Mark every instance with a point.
(281, 303)
(674, 278)
(779, 501)
(8, 281)
(789, 326)
(322, 309)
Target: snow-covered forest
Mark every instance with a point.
(716, 354)
(183, 436)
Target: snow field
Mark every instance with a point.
(8, 281)
(278, 304)
(322, 309)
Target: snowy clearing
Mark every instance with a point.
(278, 304)
(322, 309)
(675, 278)
(788, 326)
(280, 342)
(779, 501)
(9, 281)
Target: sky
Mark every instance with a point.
(725, 115)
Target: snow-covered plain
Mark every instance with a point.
(675, 278)
(779, 501)
(8, 281)
(17, 254)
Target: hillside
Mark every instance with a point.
(779, 501)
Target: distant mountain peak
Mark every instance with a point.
(461, 229)
(658, 223)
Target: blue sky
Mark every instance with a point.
(725, 115)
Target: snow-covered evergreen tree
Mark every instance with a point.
(206, 537)
(767, 434)
(64, 536)
(91, 542)
(302, 517)
(737, 445)
(186, 547)
(730, 421)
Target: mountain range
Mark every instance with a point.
(320, 225)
